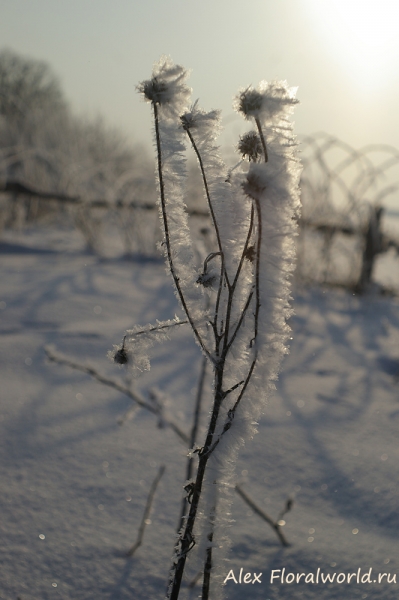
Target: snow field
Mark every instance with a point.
(75, 483)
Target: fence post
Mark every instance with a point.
(372, 246)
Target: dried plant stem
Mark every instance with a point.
(206, 583)
(261, 513)
(236, 318)
(244, 251)
(193, 436)
(198, 402)
(262, 138)
(240, 320)
(188, 538)
(158, 328)
(227, 342)
(135, 396)
(147, 511)
(223, 273)
(208, 197)
(259, 238)
(167, 236)
(204, 455)
(257, 290)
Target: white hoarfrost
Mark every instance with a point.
(254, 210)
(273, 187)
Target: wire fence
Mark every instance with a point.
(344, 228)
(345, 224)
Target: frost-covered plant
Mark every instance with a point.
(242, 327)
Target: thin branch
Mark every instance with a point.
(231, 413)
(287, 508)
(193, 436)
(208, 197)
(223, 272)
(233, 388)
(156, 328)
(259, 240)
(147, 511)
(227, 344)
(251, 224)
(244, 387)
(167, 237)
(241, 319)
(229, 420)
(210, 256)
(261, 513)
(197, 410)
(262, 138)
(232, 289)
(135, 396)
(187, 540)
(206, 583)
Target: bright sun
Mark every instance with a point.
(363, 37)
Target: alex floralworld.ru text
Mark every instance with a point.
(279, 576)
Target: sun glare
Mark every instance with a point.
(362, 36)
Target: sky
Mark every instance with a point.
(342, 55)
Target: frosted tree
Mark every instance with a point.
(241, 326)
(44, 146)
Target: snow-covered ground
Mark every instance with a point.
(74, 482)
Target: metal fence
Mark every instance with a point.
(344, 225)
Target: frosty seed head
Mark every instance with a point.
(250, 146)
(250, 253)
(249, 102)
(253, 186)
(167, 85)
(190, 118)
(207, 123)
(267, 102)
(187, 121)
(119, 355)
(154, 91)
(206, 279)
